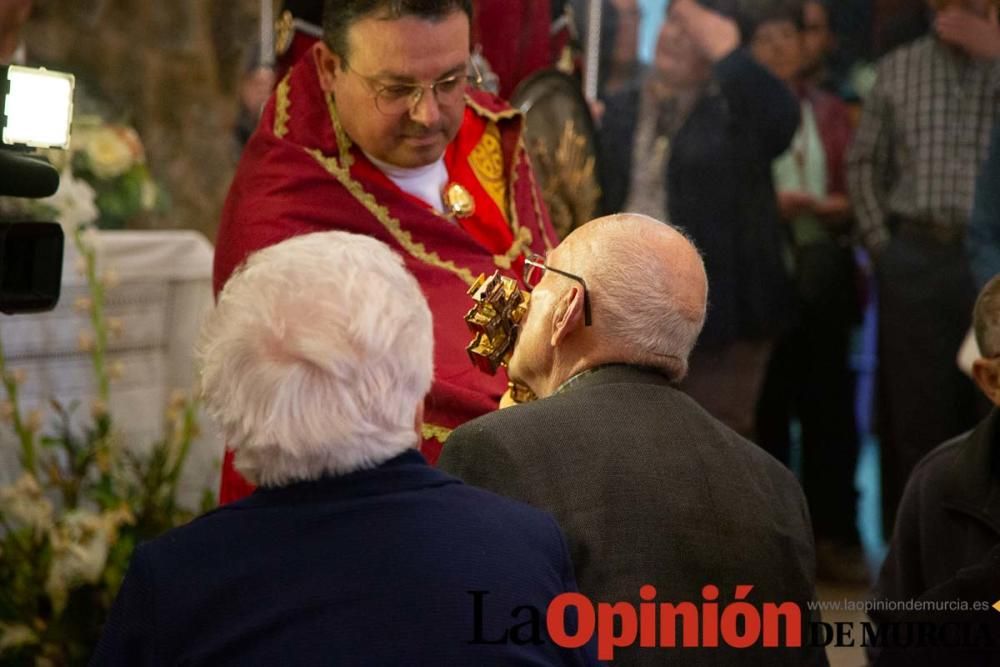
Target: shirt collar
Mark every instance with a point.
(568, 384)
(611, 374)
(407, 472)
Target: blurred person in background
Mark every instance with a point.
(809, 377)
(13, 16)
(983, 241)
(896, 23)
(924, 133)
(619, 67)
(256, 84)
(818, 43)
(693, 144)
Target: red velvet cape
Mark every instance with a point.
(300, 173)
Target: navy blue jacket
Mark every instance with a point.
(372, 568)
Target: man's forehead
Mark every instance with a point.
(400, 46)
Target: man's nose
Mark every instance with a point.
(426, 109)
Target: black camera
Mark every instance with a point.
(36, 106)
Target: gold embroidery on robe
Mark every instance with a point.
(486, 160)
(282, 102)
(439, 433)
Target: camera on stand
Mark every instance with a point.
(36, 108)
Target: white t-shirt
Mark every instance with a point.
(426, 183)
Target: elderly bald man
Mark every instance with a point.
(648, 487)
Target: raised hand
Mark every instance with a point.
(715, 35)
(979, 37)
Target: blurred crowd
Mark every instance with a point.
(862, 196)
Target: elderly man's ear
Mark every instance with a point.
(986, 373)
(568, 316)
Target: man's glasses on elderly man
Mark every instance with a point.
(534, 270)
(393, 99)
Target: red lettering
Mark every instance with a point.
(607, 640)
(731, 633)
(793, 624)
(647, 617)
(555, 620)
(669, 614)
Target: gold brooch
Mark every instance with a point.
(459, 201)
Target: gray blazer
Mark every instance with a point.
(650, 489)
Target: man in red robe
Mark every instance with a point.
(375, 132)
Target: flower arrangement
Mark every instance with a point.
(104, 178)
(83, 501)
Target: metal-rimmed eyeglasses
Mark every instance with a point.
(393, 99)
(535, 268)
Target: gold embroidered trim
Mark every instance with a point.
(515, 220)
(381, 213)
(282, 101)
(343, 141)
(439, 433)
(522, 239)
(486, 160)
(492, 115)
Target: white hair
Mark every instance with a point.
(316, 358)
(643, 304)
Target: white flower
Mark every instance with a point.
(80, 545)
(74, 202)
(112, 151)
(25, 504)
